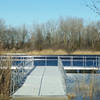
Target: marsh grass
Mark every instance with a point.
(5, 98)
(5, 77)
(71, 96)
(89, 90)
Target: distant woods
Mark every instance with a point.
(69, 34)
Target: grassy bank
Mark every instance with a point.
(51, 52)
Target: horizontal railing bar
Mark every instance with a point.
(81, 68)
(37, 57)
(55, 56)
(47, 60)
(50, 59)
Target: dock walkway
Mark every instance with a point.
(42, 81)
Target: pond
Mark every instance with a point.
(80, 86)
(83, 86)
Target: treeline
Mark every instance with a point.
(69, 34)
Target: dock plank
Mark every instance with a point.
(43, 81)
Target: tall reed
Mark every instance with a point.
(5, 76)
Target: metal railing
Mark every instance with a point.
(24, 64)
(63, 73)
(19, 75)
(71, 60)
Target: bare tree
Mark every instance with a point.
(2, 30)
(94, 5)
(67, 33)
(22, 31)
(38, 38)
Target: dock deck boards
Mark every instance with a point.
(43, 81)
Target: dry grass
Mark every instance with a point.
(87, 52)
(36, 52)
(5, 74)
(90, 90)
(51, 52)
(5, 98)
(48, 52)
(71, 96)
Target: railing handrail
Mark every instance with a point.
(20, 68)
(51, 56)
(30, 59)
(70, 59)
(61, 68)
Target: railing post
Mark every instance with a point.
(45, 61)
(71, 60)
(58, 60)
(61, 68)
(93, 62)
(23, 67)
(96, 61)
(85, 61)
(32, 61)
(13, 83)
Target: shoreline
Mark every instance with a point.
(50, 52)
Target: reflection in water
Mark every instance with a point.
(83, 86)
(79, 87)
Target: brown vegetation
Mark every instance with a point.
(91, 90)
(68, 34)
(5, 75)
(49, 52)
